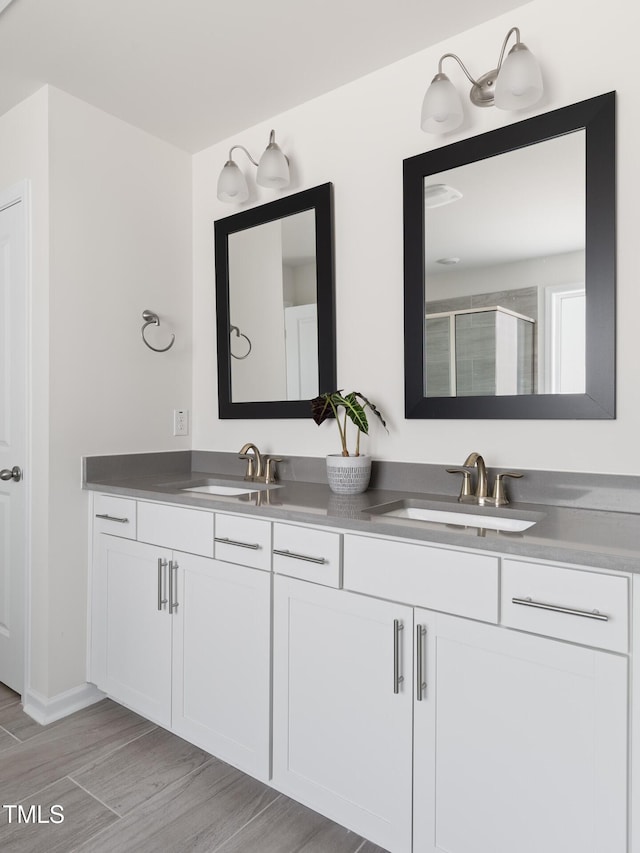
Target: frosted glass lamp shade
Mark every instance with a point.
(273, 168)
(442, 107)
(232, 184)
(519, 82)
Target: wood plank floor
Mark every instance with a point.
(125, 784)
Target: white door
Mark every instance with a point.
(131, 654)
(222, 661)
(520, 743)
(342, 708)
(301, 345)
(13, 437)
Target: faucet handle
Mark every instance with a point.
(270, 473)
(499, 494)
(466, 492)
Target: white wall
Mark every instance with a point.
(110, 236)
(357, 137)
(567, 268)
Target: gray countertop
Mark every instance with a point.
(589, 537)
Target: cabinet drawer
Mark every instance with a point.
(307, 553)
(178, 528)
(434, 578)
(579, 606)
(245, 541)
(114, 515)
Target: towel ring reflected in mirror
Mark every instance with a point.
(239, 334)
(151, 318)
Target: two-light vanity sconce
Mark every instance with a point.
(273, 172)
(516, 83)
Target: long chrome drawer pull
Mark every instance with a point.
(112, 518)
(162, 564)
(421, 683)
(589, 614)
(319, 560)
(225, 541)
(173, 603)
(397, 678)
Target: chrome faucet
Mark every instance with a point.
(481, 483)
(259, 468)
(254, 461)
(480, 496)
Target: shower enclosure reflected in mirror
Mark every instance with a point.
(274, 301)
(510, 271)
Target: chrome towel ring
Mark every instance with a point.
(150, 318)
(240, 335)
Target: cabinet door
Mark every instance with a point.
(221, 655)
(131, 637)
(520, 743)
(342, 738)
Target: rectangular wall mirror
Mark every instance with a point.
(275, 306)
(510, 271)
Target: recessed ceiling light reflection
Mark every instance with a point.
(435, 195)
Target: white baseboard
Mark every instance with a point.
(46, 710)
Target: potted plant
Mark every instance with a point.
(348, 474)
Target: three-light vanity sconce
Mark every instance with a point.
(516, 83)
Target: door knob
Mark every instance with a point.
(14, 473)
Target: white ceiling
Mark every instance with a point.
(194, 72)
(504, 213)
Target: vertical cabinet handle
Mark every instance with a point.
(397, 677)
(162, 565)
(421, 681)
(173, 604)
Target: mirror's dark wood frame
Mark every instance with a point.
(597, 117)
(319, 199)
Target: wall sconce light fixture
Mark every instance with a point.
(515, 84)
(273, 172)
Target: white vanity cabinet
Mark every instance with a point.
(131, 628)
(520, 743)
(432, 699)
(185, 639)
(342, 708)
(222, 661)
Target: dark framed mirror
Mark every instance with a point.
(509, 270)
(275, 315)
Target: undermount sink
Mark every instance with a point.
(217, 486)
(480, 517)
(220, 490)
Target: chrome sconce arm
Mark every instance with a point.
(514, 84)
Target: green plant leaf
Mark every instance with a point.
(355, 412)
(372, 407)
(321, 408)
